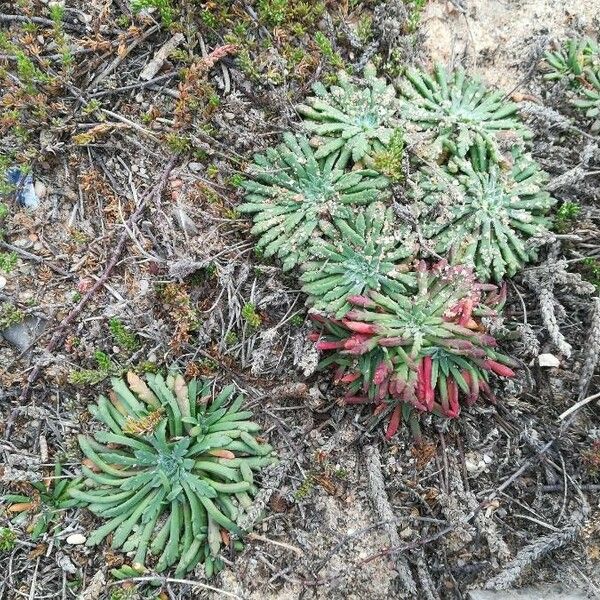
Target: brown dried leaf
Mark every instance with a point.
(181, 393)
(139, 387)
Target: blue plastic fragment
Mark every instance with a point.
(25, 188)
(13, 175)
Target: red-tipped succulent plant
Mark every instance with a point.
(421, 351)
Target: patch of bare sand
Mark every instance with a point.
(499, 38)
(341, 569)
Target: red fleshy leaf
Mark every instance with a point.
(326, 345)
(427, 383)
(466, 311)
(382, 370)
(453, 405)
(360, 327)
(498, 368)
(349, 377)
(363, 301)
(394, 422)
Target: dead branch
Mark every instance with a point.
(591, 351)
(534, 552)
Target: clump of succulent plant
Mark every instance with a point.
(174, 471)
(483, 212)
(571, 60)
(38, 508)
(355, 256)
(293, 196)
(417, 352)
(459, 112)
(577, 63)
(589, 97)
(356, 119)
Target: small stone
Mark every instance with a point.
(22, 335)
(195, 167)
(76, 539)
(548, 360)
(143, 287)
(40, 189)
(2, 282)
(184, 221)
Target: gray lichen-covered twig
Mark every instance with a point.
(534, 552)
(542, 280)
(591, 350)
(382, 506)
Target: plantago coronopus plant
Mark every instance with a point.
(357, 119)
(458, 112)
(171, 487)
(370, 253)
(484, 212)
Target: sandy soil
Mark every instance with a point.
(499, 39)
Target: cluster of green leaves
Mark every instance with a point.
(294, 195)
(352, 257)
(123, 337)
(571, 60)
(357, 118)
(282, 12)
(416, 7)
(590, 268)
(577, 63)
(8, 261)
(589, 98)
(164, 8)
(390, 162)
(38, 510)
(104, 369)
(458, 112)
(10, 315)
(250, 316)
(483, 196)
(8, 539)
(566, 216)
(175, 467)
(483, 211)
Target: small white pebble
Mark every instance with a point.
(76, 539)
(548, 360)
(40, 190)
(143, 286)
(2, 282)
